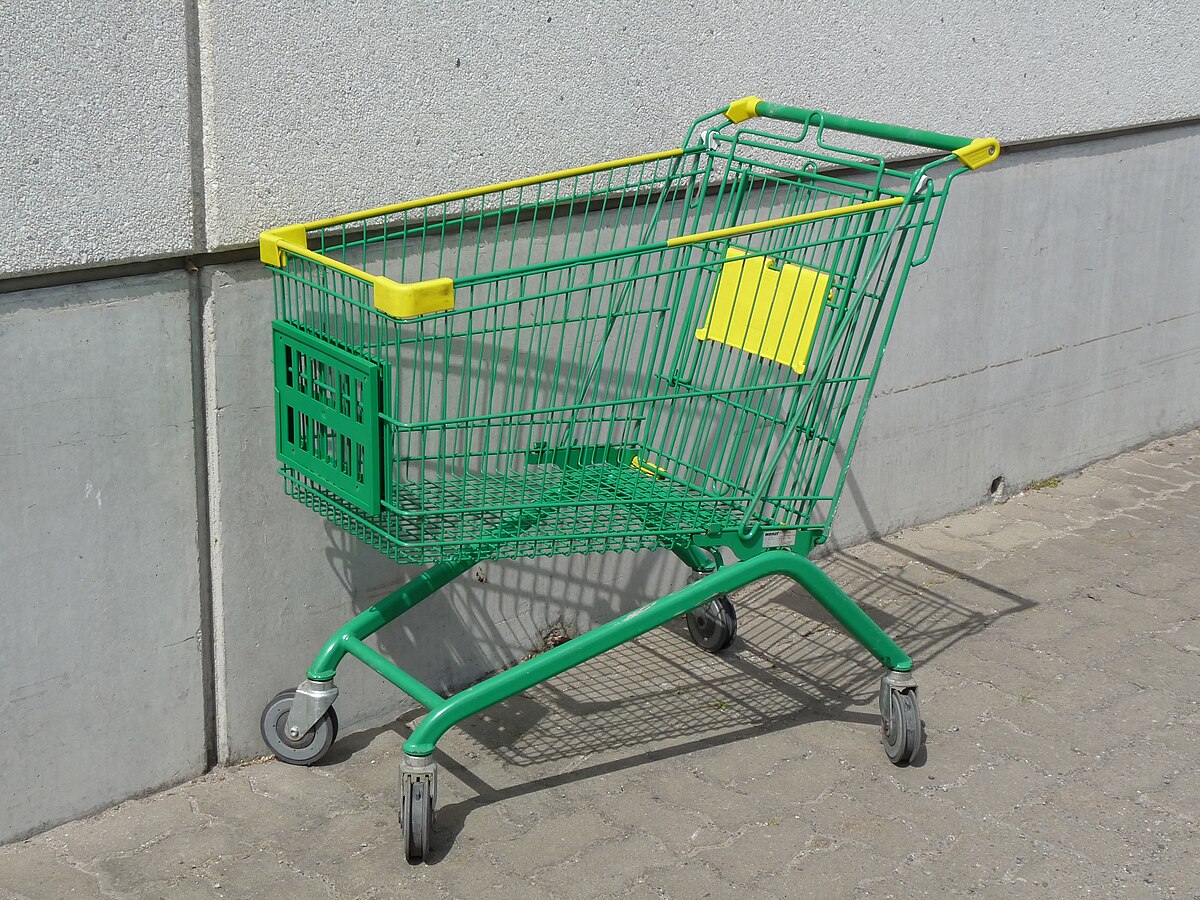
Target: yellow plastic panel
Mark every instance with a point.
(766, 308)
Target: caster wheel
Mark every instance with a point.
(416, 818)
(713, 626)
(311, 747)
(901, 724)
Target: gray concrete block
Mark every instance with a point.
(94, 144)
(284, 579)
(301, 122)
(100, 696)
(1054, 325)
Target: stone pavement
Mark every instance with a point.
(1057, 638)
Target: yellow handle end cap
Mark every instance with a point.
(741, 110)
(979, 152)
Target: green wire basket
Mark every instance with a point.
(652, 352)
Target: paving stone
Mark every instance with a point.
(33, 870)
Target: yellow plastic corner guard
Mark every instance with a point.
(979, 152)
(741, 110)
(768, 311)
(403, 301)
(400, 301)
(269, 241)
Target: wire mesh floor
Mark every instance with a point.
(539, 511)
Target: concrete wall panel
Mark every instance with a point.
(94, 142)
(350, 106)
(1057, 323)
(100, 689)
(284, 579)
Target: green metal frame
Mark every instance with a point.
(592, 417)
(448, 712)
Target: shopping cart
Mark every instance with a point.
(654, 353)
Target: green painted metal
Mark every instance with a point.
(566, 404)
(580, 333)
(931, 139)
(386, 610)
(393, 673)
(728, 578)
(327, 415)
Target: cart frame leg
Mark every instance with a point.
(317, 693)
(445, 714)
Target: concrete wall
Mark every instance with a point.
(158, 587)
(96, 149)
(1057, 323)
(101, 687)
(135, 131)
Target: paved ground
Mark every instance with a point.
(1058, 639)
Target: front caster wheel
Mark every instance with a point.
(713, 626)
(310, 747)
(418, 787)
(901, 727)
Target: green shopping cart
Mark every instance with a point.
(653, 353)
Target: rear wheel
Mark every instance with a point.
(901, 729)
(713, 626)
(417, 820)
(310, 747)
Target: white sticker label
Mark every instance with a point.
(779, 539)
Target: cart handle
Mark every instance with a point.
(973, 152)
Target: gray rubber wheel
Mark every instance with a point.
(713, 626)
(418, 823)
(311, 747)
(901, 724)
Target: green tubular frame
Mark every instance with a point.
(446, 713)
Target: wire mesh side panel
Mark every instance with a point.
(763, 432)
(561, 218)
(589, 416)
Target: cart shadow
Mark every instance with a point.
(491, 617)
(659, 697)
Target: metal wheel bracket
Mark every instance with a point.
(899, 681)
(312, 700)
(412, 770)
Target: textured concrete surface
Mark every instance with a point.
(284, 579)
(1056, 637)
(94, 144)
(1056, 323)
(100, 571)
(296, 112)
(300, 122)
